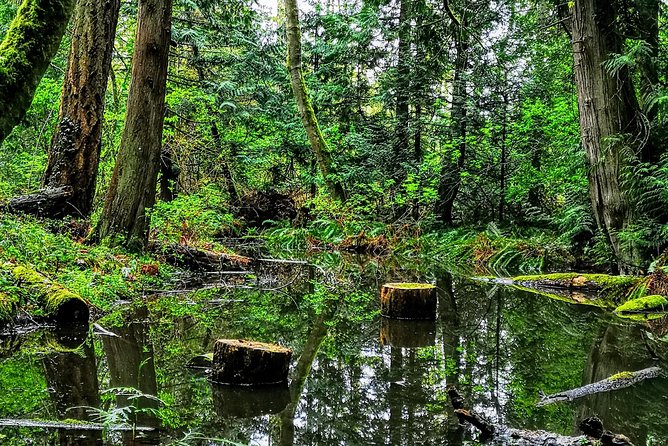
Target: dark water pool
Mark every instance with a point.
(356, 378)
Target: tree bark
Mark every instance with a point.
(75, 148)
(401, 143)
(453, 163)
(133, 184)
(608, 127)
(306, 112)
(25, 53)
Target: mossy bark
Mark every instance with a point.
(306, 112)
(75, 148)
(55, 300)
(133, 184)
(9, 305)
(25, 53)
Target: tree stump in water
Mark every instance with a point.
(240, 362)
(408, 301)
(407, 334)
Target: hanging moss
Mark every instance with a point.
(29, 45)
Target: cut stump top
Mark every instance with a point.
(254, 345)
(409, 286)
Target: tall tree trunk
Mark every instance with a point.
(29, 45)
(76, 145)
(133, 184)
(402, 95)
(607, 107)
(452, 166)
(306, 112)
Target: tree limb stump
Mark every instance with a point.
(408, 301)
(241, 362)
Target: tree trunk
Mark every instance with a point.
(450, 181)
(29, 45)
(607, 107)
(401, 143)
(306, 112)
(133, 184)
(76, 144)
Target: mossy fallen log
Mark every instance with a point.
(645, 304)
(618, 381)
(197, 259)
(601, 290)
(54, 300)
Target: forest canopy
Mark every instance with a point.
(387, 125)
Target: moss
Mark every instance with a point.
(410, 286)
(8, 306)
(599, 303)
(643, 304)
(612, 288)
(621, 375)
(31, 41)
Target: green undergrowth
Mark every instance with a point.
(99, 274)
(456, 249)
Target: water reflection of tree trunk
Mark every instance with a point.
(131, 364)
(450, 328)
(72, 377)
(301, 372)
(617, 349)
(394, 395)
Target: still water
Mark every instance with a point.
(356, 378)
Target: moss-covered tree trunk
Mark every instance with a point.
(133, 184)
(306, 112)
(402, 95)
(29, 45)
(75, 149)
(608, 126)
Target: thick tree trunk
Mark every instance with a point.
(607, 107)
(401, 143)
(133, 184)
(29, 45)
(452, 166)
(76, 145)
(306, 112)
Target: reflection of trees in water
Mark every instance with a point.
(71, 376)
(130, 359)
(638, 411)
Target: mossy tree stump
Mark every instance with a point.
(241, 362)
(408, 301)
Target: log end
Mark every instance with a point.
(242, 362)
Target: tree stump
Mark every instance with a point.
(249, 402)
(408, 301)
(241, 362)
(407, 334)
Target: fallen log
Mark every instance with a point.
(197, 259)
(589, 289)
(55, 301)
(50, 203)
(615, 382)
(74, 425)
(594, 433)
